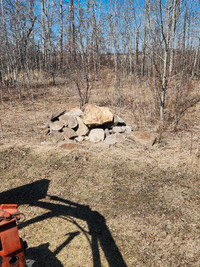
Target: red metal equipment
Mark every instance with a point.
(12, 248)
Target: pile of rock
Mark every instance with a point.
(94, 124)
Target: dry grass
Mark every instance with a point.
(127, 205)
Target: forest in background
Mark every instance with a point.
(149, 42)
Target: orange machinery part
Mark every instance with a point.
(11, 246)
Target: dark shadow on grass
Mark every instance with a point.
(26, 194)
(43, 256)
(98, 231)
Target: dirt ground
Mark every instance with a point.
(125, 205)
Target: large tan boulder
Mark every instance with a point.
(95, 115)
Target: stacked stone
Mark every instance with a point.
(96, 124)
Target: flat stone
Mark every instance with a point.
(69, 120)
(118, 129)
(56, 125)
(82, 128)
(54, 116)
(95, 115)
(144, 138)
(96, 135)
(69, 133)
(76, 112)
(68, 145)
(110, 139)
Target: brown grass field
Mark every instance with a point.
(127, 205)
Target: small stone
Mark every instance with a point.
(110, 139)
(117, 121)
(120, 121)
(82, 128)
(118, 129)
(68, 133)
(96, 135)
(76, 112)
(56, 125)
(79, 138)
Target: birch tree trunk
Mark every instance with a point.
(61, 34)
(173, 37)
(166, 37)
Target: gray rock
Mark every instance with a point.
(82, 128)
(76, 112)
(96, 135)
(54, 116)
(68, 133)
(110, 139)
(143, 138)
(128, 129)
(69, 120)
(118, 129)
(119, 121)
(79, 138)
(56, 126)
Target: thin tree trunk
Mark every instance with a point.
(61, 34)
